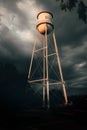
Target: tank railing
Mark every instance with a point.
(44, 21)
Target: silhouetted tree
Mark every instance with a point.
(9, 74)
(68, 5)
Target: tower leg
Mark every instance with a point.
(31, 60)
(60, 69)
(44, 82)
(47, 82)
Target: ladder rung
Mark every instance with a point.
(39, 80)
(56, 83)
(40, 49)
(51, 54)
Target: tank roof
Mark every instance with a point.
(45, 12)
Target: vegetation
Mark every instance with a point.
(68, 5)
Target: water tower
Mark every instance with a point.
(45, 27)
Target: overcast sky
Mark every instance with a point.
(18, 28)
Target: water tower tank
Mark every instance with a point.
(44, 22)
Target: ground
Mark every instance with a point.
(73, 116)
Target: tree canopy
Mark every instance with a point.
(68, 5)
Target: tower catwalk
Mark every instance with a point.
(45, 27)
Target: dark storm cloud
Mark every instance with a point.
(11, 6)
(16, 31)
(9, 42)
(71, 31)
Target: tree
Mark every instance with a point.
(68, 5)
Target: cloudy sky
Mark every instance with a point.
(18, 28)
